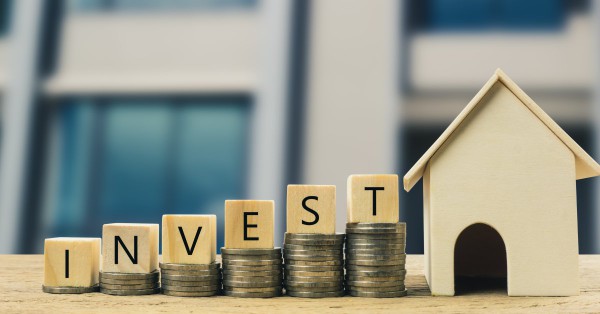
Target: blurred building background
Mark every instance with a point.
(124, 110)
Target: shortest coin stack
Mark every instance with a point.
(252, 273)
(190, 280)
(314, 265)
(70, 290)
(376, 259)
(129, 283)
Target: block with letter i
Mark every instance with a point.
(71, 265)
(373, 198)
(249, 224)
(129, 248)
(311, 209)
(189, 239)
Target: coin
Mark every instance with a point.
(189, 267)
(375, 279)
(371, 246)
(190, 294)
(129, 291)
(314, 273)
(374, 242)
(370, 262)
(250, 257)
(312, 247)
(313, 268)
(191, 288)
(313, 257)
(375, 227)
(367, 268)
(313, 242)
(313, 252)
(375, 251)
(301, 284)
(400, 237)
(251, 294)
(231, 267)
(315, 289)
(254, 290)
(274, 251)
(330, 294)
(389, 294)
(314, 279)
(398, 287)
(127, 281)
(254, 279)
(314, 236)
(228, 272)
(199, 283)
(191, 272)
(191, 278)
(375, 257)
(134, 286)
(377, 273)
(244, 284)
(337, 262)
(70, 290)
(244, 262)
(375, 284)
(133, 276)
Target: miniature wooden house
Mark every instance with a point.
(501, 180)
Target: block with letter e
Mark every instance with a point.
(129, 248)
(249, 224)
(189, 239)
(71, 262)
(373, 198)
(311, 209)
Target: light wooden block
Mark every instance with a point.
(311, 209)
(373, 198)
(249, 224)
(142, 258)
(189, 239)
(71, 262)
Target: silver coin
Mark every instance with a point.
(244, 262)
(374, 257)
(133, 276)
(211, 272)
(367, 268)
(315, 289)
(314, 263)
(377, 273)
(314, 279)
(191, 278)
(375, 251)
(129, 291)
(397, 227)
(313, 268)
(70, 290)
(231, 267)
(190, 283)
(399, 287)
(390, 294)
(191, 288)
(190, 294)
(314, 236)
(128, 281)
(370, 262)
(254, 290)
(277, 277)
(189, 267)
(314, 273)
(313, 252)
(252, 273)
(127, 287)
(312, 247)
(374, 242)
(374, 284)
(250, 257)
(243, 284)
(371, 246)
(329, 294)
(301, 284)
(252, 294)
(400, 237)
(313, 242)
(273, 251)
(312, 258)
(375, 279)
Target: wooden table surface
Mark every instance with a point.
(21, 279)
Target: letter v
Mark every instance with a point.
(187, 247)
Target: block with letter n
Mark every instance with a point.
(71, 262)
(189, 239)
(129, 248)
(311, 209)
(249, 224)
(373, 198)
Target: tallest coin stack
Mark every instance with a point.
(376, 259)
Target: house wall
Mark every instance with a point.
(505, 168)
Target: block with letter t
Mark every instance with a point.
(249, 224)
(189, 239)
(311, 209)
(373, 198)
(129, 248)
(71, 262)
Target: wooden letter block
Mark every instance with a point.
(249, 224)
(129, 248)
(311, 209)
(373, 198)
(189, 239)
(71, 262)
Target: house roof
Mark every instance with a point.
(586, 167)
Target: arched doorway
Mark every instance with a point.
(479, 261)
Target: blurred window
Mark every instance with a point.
(5, 9)
(132, 160)
(158, 5)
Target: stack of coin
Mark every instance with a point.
(314, 265)
(70, 290)
(129, 284)
(252, 273)
(190, 280)
(375, 259)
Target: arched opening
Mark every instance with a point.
(479, 261)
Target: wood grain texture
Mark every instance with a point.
(249, 224)
(321, 200)
(189, 250)
(82, 259)
(360, 198)
(147, 247)
(22, 275)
